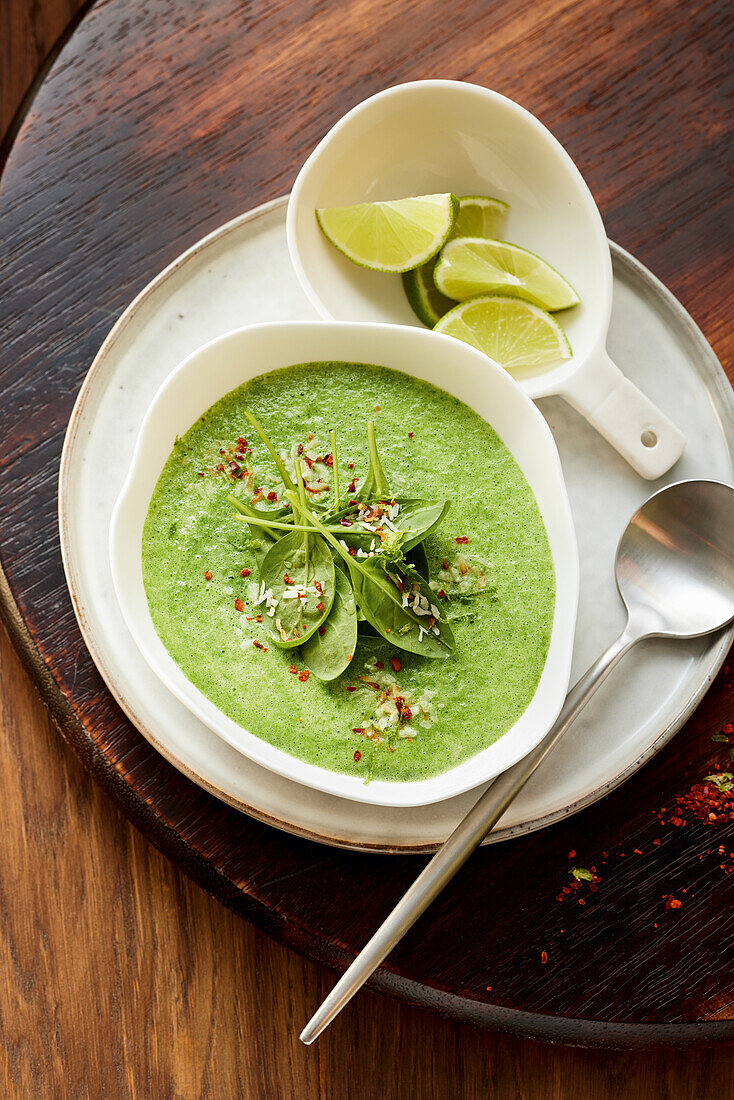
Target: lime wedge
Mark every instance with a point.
(479, 216)
(469, 266)
(428, 304)
(390, 236)
(514, 333)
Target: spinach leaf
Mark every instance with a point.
(294, 610)
(330, 649)
(415, 520)
(402, 625)
(386, 608)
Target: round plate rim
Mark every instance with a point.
(714, 656)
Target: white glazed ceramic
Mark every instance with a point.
(227, 362)
(442, 135)
(242, 273)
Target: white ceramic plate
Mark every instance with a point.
(218, 367)
(241, 274)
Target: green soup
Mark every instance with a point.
(489, 563)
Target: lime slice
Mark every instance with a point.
(390, 236)
(428, 304)
(514, 333)
(479, 216)
(469, 266)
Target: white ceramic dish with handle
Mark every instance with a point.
(442, 135)
(228, 361)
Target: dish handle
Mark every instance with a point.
(627, 419)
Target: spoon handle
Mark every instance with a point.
(467, 836)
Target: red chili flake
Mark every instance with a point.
(241, 443)
(221, 452)
(287, 579)
(351, 488)
(351, 687)
(396, 665)
(346, 522)
(299, 449)
(445, 563)
(318, 586)
(303, 675)
(208, 576)
(441, 594)
(320, 606)
(322, 630)
(677, 821)
(245, 572)
(673, 903)
(379, 664)
(657, 842)
(328, 460)
(293, 669)
(352, 551)
(220, 467)
(572, 854)
(235, 468)
(357, 729)
(637, 851)
(410, 435)
(258, 618)
(357, 756)
(308, 461)
(544, 957)
(259, 645)
(272, 495)
(238, 605)
(728, 728)
(350, 465)
(581, 901)
(461, 539)
(407, 714)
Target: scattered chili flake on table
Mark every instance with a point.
(208, 575)
(673, 903)
(245, 572)
(463, 539)
(303, 675)
(259, 645)
(238, 605)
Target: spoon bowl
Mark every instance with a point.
(675, 561)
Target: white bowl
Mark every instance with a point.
(221, 365)
(433, 136)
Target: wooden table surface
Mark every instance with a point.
(122, 978)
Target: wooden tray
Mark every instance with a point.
(151, 130)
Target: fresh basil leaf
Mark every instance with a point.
(330, 648)
(294, 620)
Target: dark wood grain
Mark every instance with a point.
(157, 123)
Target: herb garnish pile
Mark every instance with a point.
(329, 568)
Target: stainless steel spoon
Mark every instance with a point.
(675, 573)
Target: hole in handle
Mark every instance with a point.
(648, 439)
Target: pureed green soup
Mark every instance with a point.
(391, 715)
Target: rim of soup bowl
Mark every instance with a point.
(212, 371)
